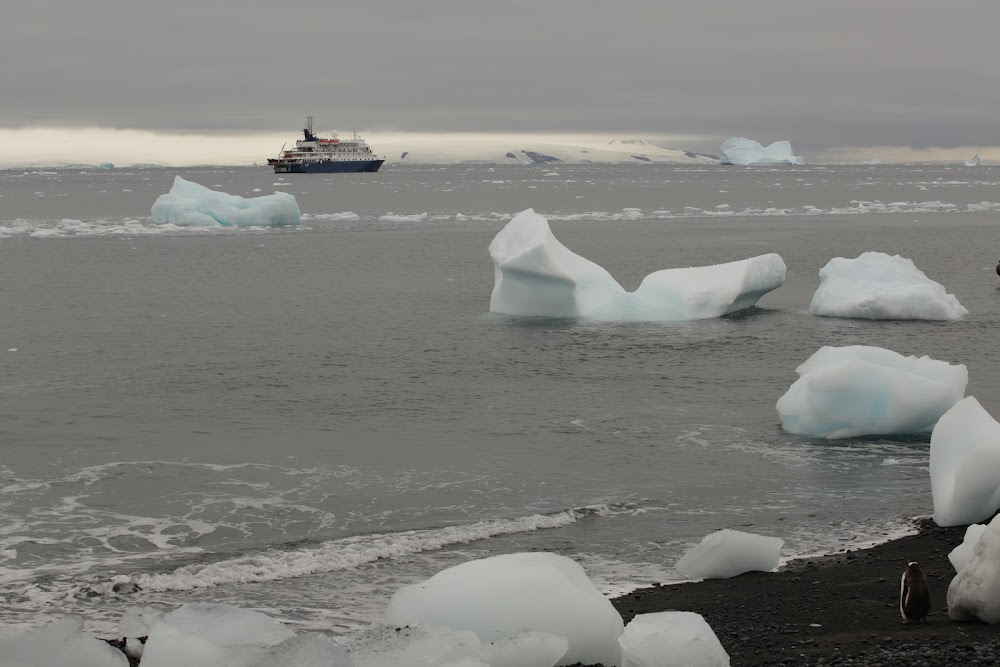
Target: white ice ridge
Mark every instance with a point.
(537, 276)
(974, 161)
(671, 638)
(965, 465)
(844, 392)
(974, 593)
(877, 286)
(727, 553)
(190, 204)
(504, 596)
(741, 151)
(962, 554)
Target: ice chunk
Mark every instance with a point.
(139, 621)
(531, 649)
(974, 161)
(727, 553)
(503, 596)
(975, 591)
(965, 465)
(417, 646)
(203, 634)
(877, 286)
(61, 642)
(308, 649)
(537, 276)
(671, 638)
(741, 151)
(845, 392)
(192, 205)
(962, 554)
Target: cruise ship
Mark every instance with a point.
(313, 155)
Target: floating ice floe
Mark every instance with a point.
(974, 161)
(962, 554)
(727, 553)
(62, 642)
(205, 633)
(844, 392)
(974, 593)
(671, 638)
(194, 205)
(537, 276)
(965, 465)
(504, 596)
(742, 151)
(877, 286)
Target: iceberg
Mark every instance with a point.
(727, 553)
(974, 161)
(61, 642)
(974, 593)
(962, 554)
(877, 286)
(189, 204)
(531, 649)
(845, 392)
(504, 596)
(671, 638)
(742, 151)
(537, 276)
(965, 465)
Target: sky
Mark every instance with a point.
(832, 76)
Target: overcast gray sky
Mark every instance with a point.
(822, 74)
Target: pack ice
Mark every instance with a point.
(727, 553)
(974, 593)
(504, 596)
(61, 642)
(742, 151)
(877, 286)
(671, 638)
(844, 392)
(192, 205)
(537, 276)
(965, 465)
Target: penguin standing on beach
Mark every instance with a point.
(914, 595)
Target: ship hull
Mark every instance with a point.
(331, 167)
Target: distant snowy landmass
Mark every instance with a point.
(513, 151)
(742, 151)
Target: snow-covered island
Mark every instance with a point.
(746, 152)
(537, 276)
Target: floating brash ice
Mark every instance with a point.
(744, 152)
(537, 276)
(192, 205)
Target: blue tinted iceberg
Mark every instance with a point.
(191, 205)
(741, 151)
(844, 392)
(877, 286)
(537, 276)
(965, 465)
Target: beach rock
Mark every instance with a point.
(965, 465)
(974, 593)
(727, 553)
(671, 638)
(60, 643)
(504, 596)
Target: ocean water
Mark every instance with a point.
(302, 420)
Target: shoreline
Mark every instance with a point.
(842, 608)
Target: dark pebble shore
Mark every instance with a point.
(853, 597)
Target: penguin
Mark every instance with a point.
(998, 268)
(914, 595)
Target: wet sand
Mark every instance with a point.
(835, 610)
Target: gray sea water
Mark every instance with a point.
(302, 420)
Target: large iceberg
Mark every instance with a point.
(877, 286)
(191, 205)
(60, 643)
(742, 151)
(844, 392)
(537, 276)
(965, 465)
(974, 593)
(727, 553)
(503, 596)
(671, 638)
